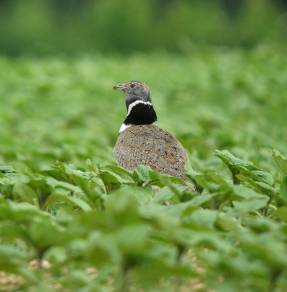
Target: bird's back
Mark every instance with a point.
(149, 145)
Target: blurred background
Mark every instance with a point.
(83, 26)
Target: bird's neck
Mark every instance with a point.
(140, 113)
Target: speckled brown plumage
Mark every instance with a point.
(149, 145)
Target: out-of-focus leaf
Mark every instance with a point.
(246, 173)
(24, 193)
(283, 190)
(142, 175)
(237, 165)
(21, 212)
(227, 223)
(12, 259)
(282, 213)
(98, 249)
(45, 233)
(280, 161)
(201, 218)
(132, 239)
(251, 205)
(67, 198)
(212, 181)
(112, 180)
(125, 174)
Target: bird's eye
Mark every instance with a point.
(132, 85)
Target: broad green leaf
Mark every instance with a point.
(227, 223)
(201, 218)
(45, 233)
(237, 166)
(132, 239)
(65, 197)
(251, 205)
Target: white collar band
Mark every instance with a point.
(132, 105)
(123, 127)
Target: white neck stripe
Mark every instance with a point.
(132, 105)
(123, 127)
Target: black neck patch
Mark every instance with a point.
(141, 114)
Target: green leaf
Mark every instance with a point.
(245, 172)
(142, 175)
(132, 239)
(23, 192)
(281, 213)
(201, 218)
(283, 190)
(251, 205)
(280, 161)
(59, 197)
(227, 223)
(11, 258)
(45, 233)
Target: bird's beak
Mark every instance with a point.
(121, 87)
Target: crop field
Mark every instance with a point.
(72, 220)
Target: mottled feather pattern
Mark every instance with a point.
(149, 145)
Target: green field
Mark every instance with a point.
(98, 227)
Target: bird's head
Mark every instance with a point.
(134, 90)
(140, 110)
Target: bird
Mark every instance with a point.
(140, 142)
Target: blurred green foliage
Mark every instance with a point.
(72, 26)
(101, 228)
